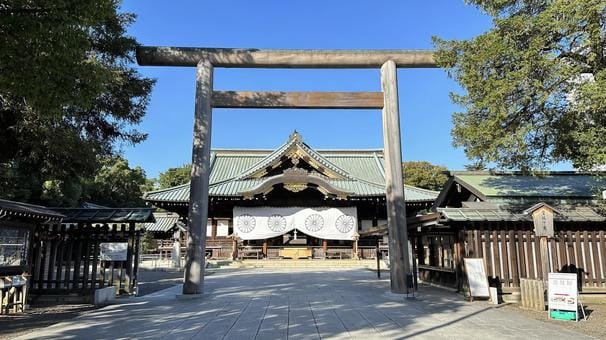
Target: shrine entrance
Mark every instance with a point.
(206, 59)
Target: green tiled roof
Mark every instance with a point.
(568, 214)
(360, 172)
(294, 141)
(164, 222)
(560, 185)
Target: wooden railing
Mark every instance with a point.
(367, 253)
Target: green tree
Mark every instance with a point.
(68, 95)
(535, 84)
(424, 175)
(175, 176)
(148, 243)
(116, 184)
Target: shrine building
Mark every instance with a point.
(292, 202)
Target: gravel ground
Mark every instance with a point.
(595, 325)
(37, 317)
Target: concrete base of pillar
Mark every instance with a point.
(186, 297)
(398, 297)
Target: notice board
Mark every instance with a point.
(113, 251)
(476, 275)
(563, 293)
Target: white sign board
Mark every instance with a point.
(113, 251)
(563, 291)
(476, 275)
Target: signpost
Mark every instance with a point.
(563, 296)
(476, 275)
(542, 218)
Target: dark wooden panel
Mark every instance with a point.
(579, 254)
(521, 256)
(488, 255)
(514, 259)
(505, 255)
(297, 100)
(562, 245)
(532, 270)
(538, 257)
(587, 240)
(603, 255)
(596, 258)
(495, 253)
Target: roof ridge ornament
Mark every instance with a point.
(295, 136)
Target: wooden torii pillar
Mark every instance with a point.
(205, 59)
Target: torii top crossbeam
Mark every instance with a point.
(268, 58)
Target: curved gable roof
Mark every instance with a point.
(295, 146)
(360, 173)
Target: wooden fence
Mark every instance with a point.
(513, 254)
(66, 259)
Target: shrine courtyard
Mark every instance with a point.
(302, 304)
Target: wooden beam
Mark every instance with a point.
(259, 58)
(299, 100)
(198, 198)
(394, 187)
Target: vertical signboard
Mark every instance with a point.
(563, 296)
(476, 275)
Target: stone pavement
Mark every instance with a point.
(302, 303)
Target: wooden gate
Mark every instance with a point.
(66, 259)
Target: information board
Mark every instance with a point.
(563, 292)
(113, 251)
(476, 275)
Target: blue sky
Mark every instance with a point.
(425, 106)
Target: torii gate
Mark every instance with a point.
(205, 59)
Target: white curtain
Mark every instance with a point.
(257, 223)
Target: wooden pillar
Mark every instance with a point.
(234, 248)
(176, 253)
(394, 186)
(128, 282)
(354, 249)
(458, 257)
(95, 257)
(324, 247)
(198, 199)
(136, 260)
(213, 233)
(265, 248)
(420, 249)
(545, 259)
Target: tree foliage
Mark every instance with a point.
(68, 94)
(424, 175)
(535, 84)
(175, 176)
(116, 184)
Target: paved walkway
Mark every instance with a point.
(302, 304)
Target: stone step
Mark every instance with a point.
(306, 264)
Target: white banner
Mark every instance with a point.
(257, 223)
